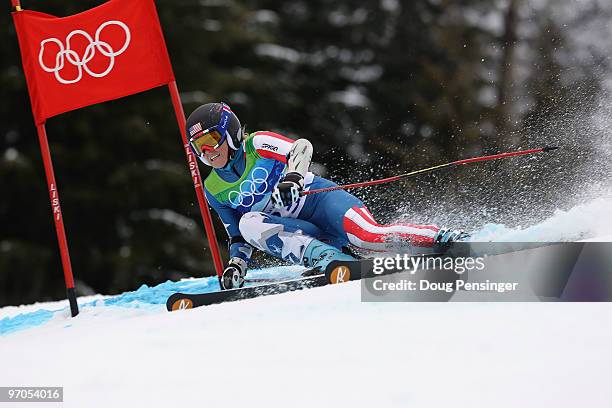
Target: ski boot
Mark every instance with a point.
(318, 255)
(447, 235)
(233, 275)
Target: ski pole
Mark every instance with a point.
(430, 169)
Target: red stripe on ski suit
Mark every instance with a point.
(267, 154)
(355, 229)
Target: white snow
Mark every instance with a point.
(366, 73)
(592, 219)
(11, 154)
(342, 18)
(391, 6)
(212, 25)
(11, 311)
(195, 97)
(352, 96)
(278, 52)
(172, 217)
(322, 347)
(266, 17)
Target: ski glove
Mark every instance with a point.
(233, 274)
(288, 190)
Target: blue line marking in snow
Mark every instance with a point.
(25, 321)
(143, 297)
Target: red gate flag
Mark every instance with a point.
(108, 52)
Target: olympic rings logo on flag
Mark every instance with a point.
(65, 53)
(256, 186)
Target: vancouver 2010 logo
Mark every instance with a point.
(257, 185)
(67, 55)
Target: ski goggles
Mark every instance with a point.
(210, 139)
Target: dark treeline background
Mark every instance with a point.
(379, 87)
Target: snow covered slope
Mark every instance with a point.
(591, 219)
(320, 347)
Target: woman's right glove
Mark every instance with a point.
(288, 190)
(234, 273)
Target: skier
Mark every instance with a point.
(255, 187)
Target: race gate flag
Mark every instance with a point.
(108, 52)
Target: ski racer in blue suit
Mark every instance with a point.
(255, 187)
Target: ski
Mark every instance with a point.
(179, 301)
(336, 272)
(261, 280)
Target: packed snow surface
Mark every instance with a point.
(320, 347)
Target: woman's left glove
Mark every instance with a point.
(288, 190)
(233, 274)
